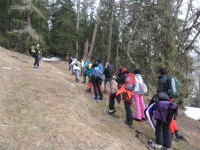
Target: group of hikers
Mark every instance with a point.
(131, 89)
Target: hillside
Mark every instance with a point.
(45, 109)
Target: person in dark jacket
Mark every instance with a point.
(69, 63)
(37, 55)
(121, 80)
(163, 88)
(108, 77)
(161, 104)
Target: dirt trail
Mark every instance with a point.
(45, 109)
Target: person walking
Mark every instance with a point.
(82, 67)
(36, 53)
(76, 68)
(108, 78)
(86, 63)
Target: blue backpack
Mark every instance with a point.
(96, 73)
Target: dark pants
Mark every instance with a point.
(129, 114)
(112, 101)
(96, 85)
(84, 77)
(82, 71)
(162, 133)
(37, 59)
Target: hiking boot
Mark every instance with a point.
(154, 145)
(100, 98)
(173, 137)
(88, 90)
(111, 111)
(95, 98)
(130, 125)
(144, 119)
(139, 120)
(178, 136)
(77, 80)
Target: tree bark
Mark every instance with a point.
(77, 26)
(117, 58)
(110, 31)
(95, 31)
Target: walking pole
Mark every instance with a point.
(106, 105)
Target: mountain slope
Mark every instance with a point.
(45, 109)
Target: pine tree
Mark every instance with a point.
(63, 31)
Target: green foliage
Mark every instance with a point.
(63, 32)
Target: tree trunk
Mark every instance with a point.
(117, 59)
(110, 32)
(77, 26)
(85, 50)
(95, 31)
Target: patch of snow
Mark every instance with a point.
(193, 112)
(51, 59)
(6, 68)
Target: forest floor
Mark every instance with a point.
(45, 109)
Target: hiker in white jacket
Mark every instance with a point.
(138, 97)
(76, 67)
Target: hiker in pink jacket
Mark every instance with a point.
(138, 97)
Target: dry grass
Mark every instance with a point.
(44, 109)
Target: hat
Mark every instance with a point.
(122, 70)
(136, 71)
(98, 61)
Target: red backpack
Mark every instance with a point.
(130, 82)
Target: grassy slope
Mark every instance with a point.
(45, 109)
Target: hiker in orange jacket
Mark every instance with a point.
(122, 94)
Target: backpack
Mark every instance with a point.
(130, 82)
(33, 49)
(96, 73)
(76, 63)
(89, 66)
(173, 87)
(143, 88)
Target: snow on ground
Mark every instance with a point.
(51, 59)
(193, 112)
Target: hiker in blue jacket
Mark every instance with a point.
(97, 79)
